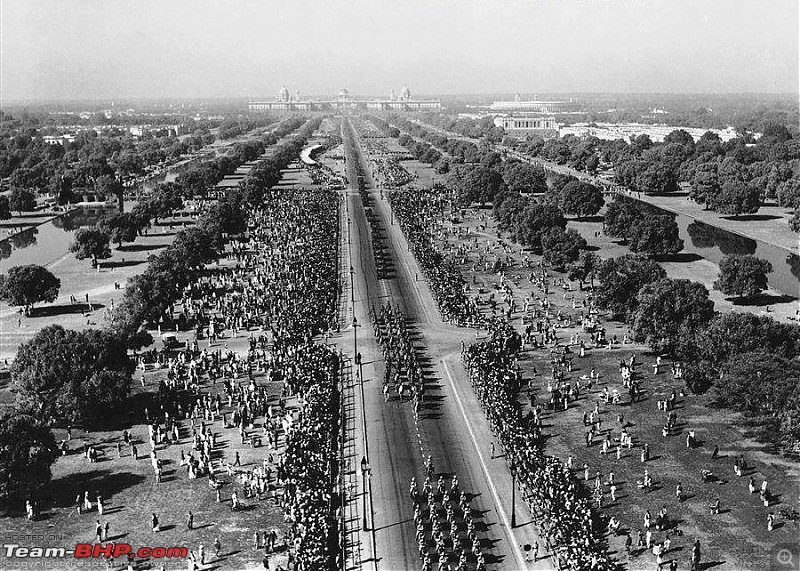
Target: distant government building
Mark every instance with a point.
(521, 126)
(535, 106)
(285, 103)
(521, 119)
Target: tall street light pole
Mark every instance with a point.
(352, 290)
(365, 475)
(513, 494)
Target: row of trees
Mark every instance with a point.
(97, 160)
(733, 177)
(196, 182)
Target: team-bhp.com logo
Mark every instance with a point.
(94, 551)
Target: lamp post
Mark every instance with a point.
(356, 356)
(365, 475)
(513, 469)
(352, 289)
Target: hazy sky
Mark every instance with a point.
(61, 49)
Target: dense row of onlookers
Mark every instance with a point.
(415, 211)
(557, 500)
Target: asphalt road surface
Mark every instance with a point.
(452, 428)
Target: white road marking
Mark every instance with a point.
(498, 504)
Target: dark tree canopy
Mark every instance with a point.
(736, 197)
(27, 285)
(705, 183)
(760, 383)
(654, 235)
(620, 281)
(743, 276)
(581, 199)
(524, 177)
(788, 193)
(27, 450)
(80, 377)
(22, 200)
(507, 207)
(534, 221)
(120, 227)
(90, 243)
(5, 208)
(669, 309)
(619, 217)
(473, 183)
(562, 247)
(729, 334)
(585, 267)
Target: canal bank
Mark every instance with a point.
(706, 234)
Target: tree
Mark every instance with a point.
(91, 243)
(27, 450)
(708, 350)
(682, 138)
(525, 178)
(80, 377)
(26, 285)
(198, 245)
(561, 247)
(581, 199)
(668, 309)
(22, 200)
(534, 221)
(705, 184)
(478, 184)
(736, 197)
(229, 214)
(757, 383)
(108, 185)
(788, 193)
(507, 207)
(794, 221)
(619, 217)
(620, 281)
(654, 235)
(744, 276)
(585, 267)
(656, 178)
(5, 208)
(120, 227)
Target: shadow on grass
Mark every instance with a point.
(751, 217)
(761, 299)
(681, 257)
(121, 264)
(63, 491)
(65, 309)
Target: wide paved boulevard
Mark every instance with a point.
(452, 427)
